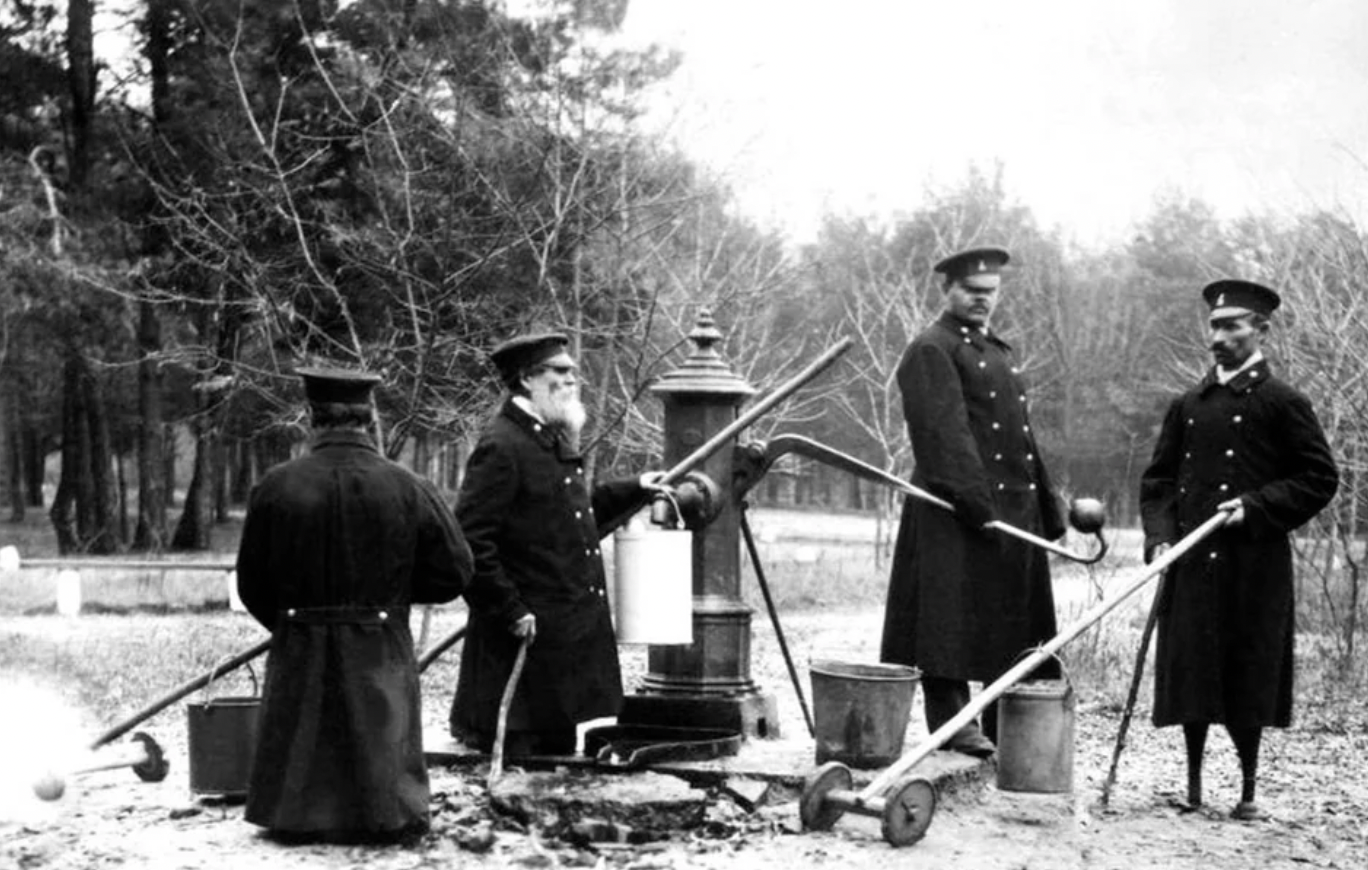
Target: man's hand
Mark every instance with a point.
(1236, 507)
(525, 628)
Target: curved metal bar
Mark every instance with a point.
(783, 444)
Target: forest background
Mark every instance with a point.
(399, 184)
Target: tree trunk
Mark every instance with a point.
(34, 461)
(193, 530)
(150, 535)
(103, 534)
(65, 514)
(80, 48)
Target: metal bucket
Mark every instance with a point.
(1035, 745)
(860, 711)
(222, 735)
(653, 586)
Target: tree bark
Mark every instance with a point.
(80, 46)
(150, 535)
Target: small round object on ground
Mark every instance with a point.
(818, 813)
(49, 786)
(908, 809)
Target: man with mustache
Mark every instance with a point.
(530, 519)
(963, 601)
(1241, 440)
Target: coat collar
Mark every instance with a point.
(343, 438)
(1246, 380)
(952, 324)
(548, 437)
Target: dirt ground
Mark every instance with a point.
(1314, 787)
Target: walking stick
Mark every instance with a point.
(1124, 728)
(774, 618)
(501, 729)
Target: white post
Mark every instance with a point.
(69, 592)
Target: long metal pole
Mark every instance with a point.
(992, 692)
(774, 619)
(179, 692)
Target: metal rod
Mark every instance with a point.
(822, 453)
(431, 653)
(179, 692)
(1139, 672)
(774, 619)
(1034, 660)
(724, 435)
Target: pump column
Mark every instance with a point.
(706, 684)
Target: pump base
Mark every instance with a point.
(754, 715)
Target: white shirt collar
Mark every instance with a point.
(1224, 376)
(526, 404)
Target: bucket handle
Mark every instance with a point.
(1063, 668)
(214, 673)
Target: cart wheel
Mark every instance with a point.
(908, 810)
(814, 809)
(154, 767)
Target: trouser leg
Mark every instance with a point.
(1246, 742)
(1194, 737)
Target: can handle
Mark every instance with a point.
(214, 673)
(1063, 668)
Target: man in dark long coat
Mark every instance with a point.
(532, 524)
(336, 546)
(964, 602)
(1244, 441)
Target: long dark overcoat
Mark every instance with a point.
(964, 603)
(1224, 649)
(337, 544)
(531, 523)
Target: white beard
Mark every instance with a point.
(563, 410)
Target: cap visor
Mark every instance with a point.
(1228, 311)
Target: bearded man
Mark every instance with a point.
(529, 517)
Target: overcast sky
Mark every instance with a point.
(1092, 106)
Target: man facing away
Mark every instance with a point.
(964, 601)
(336, 546)
(532, 523)
(1241, 441)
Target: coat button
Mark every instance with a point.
(1016, 370)
(968, 340)
(997, 456)
(964, 330)
(1230, 453)
(579, 514)
(579, 471)
(997, 426)
(983, 364)
(992, 394)
(1030, 457)
(1002, 486)
(1187, 455)
(290, 612)
(1224, 487)
(1211, 555)
(1021, 398)
(383, 616)
(567, 480)
(1237, 418)
(1026, 429)
(1033, 486)
(536, 427)
(1189, 421)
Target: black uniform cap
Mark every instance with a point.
(975, 267)
(519, 354)
(1232, 297)
(342, 386)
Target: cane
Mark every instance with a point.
(501, 729)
